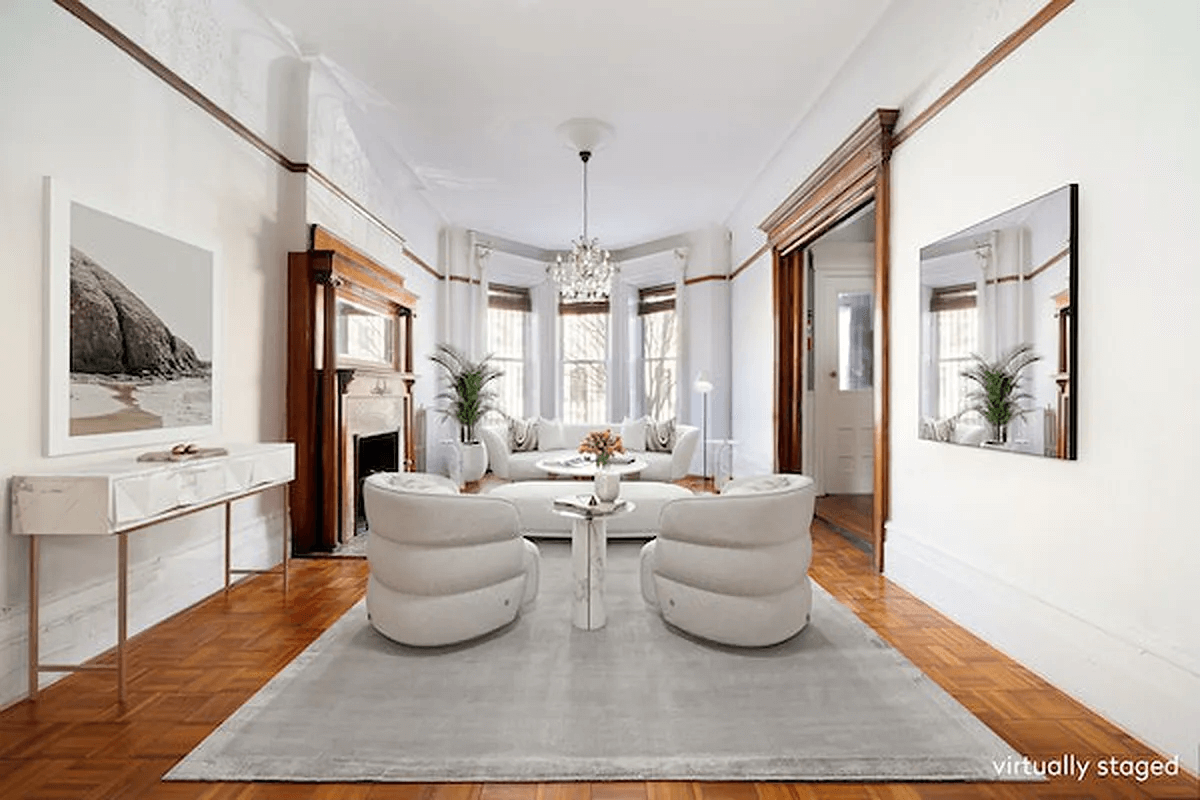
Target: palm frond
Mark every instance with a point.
(468, 396)
(998, 394)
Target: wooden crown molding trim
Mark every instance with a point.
(997, 54)
(750, 260)
(172, 79)
(845, 173)
(704, 278)
(346, 198)
(80, 11)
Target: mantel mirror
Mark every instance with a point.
(998, 340)
(365, 335)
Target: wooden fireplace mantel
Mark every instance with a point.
(330, 271)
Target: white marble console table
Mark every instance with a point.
(120, 496)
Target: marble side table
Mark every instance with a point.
(589, 541)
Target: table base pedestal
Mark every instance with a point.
(588, 548)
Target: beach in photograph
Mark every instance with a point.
(106, 404)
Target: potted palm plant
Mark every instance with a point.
(998, 395)
(468, 397)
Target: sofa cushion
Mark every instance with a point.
(550, 434)
(535, 505)
(633, 433)
(522, 434)
(660, 436)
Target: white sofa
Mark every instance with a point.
(445, 567)
(535, 505)
(733, 568)
(559, 440)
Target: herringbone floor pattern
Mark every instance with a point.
(191, 671)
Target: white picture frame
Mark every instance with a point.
(172, 393)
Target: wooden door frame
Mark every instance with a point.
(856, 173)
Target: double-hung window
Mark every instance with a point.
(660, 350)
(583, 335)
(508, 313)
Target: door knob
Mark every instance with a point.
(833, 374)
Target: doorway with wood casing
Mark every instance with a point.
(854, 177)
(839, 367)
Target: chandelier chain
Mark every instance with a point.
(586, 273)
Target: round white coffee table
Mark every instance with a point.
(580, 467)
(589, 547)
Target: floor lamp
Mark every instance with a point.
(703, 385)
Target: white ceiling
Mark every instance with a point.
(702, 94)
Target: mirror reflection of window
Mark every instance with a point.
(992, 303)
(856, 339)
(364, 334)
(956, 322)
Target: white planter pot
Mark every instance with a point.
(474, 461)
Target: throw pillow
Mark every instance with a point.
(522, 434)
(660, 436)
(633, 433)
(550, 434)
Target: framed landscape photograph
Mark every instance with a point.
(132, 332)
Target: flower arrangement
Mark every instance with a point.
(603, 445)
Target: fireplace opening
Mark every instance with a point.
(377, 453)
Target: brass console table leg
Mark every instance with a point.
(287, 535)
(122, 610)
(228, 562)
(33, 616)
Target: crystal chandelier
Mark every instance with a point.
(586, 273)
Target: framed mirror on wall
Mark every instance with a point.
(998, 331)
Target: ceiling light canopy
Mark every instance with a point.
(586, 273)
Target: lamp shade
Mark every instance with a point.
(702, 385)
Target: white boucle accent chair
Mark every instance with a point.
(733, 568)
(445, 567)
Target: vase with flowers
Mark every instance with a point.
(603, 445)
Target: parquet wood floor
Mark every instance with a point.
(850, 512)
(191, 671)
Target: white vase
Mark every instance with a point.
(607, 485)
(474, 461)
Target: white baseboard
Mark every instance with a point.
(1150, 697)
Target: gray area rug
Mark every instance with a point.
(637, 700)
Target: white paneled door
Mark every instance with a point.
(844, 367)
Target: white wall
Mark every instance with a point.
(97, 121)
(915, 52)
(753, 369)
(1084, 570)
(1081, 570)
(106, 127)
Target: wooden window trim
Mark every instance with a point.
(509, 298)
(953, 298)
(654, 299)
(566, 309)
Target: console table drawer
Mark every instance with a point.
(109, 497)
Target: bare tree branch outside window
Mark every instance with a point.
(585, 365)
(660, 349)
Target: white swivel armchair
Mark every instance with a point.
(445, 567)
(734, 568)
